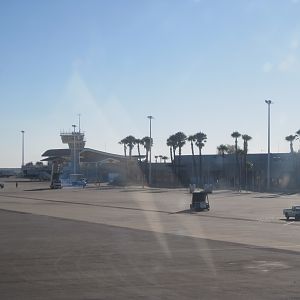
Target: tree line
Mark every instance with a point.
(290, 138)
(197, 141)
(241, 165)
(178, 140)
(130, 141)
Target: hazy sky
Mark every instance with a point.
(195, 65)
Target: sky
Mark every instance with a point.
(194, 65)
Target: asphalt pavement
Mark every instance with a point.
(50, 258)
(134, 243)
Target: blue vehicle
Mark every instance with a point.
(81, 182)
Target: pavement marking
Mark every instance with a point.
(262, 220)
(187, 211)
(289, 223)
(267, 266)
(87, 204)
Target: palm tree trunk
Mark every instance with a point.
(174, 157)
(179, 164)
(223, 170)
(236, 166)
(194, 162)
(171, 155)
(139, 152)
(245, 171)
(200, 169)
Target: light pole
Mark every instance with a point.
(79, 115)
(74, 155)
(269, 102)
(150, 179)
(22, 147)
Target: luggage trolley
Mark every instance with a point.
(199, 201)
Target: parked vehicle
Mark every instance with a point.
(55, 176)
(208, 188)
(293, 212)
(192, 188)
(56, 184)
(1, 185)
(82, 182)
(199, 201)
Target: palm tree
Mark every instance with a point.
(124, 143)
(222, 149)
(236, 135)
(160, 158)
(164, 158)
(246, 139)
(147, 141)
(191, 139)
(138, 142)
(290, 139)
(200, 139)
(171, 142)
(298, 136)
(175, 141)
(180, 138)
(130, 140)
(231, 149)
(156, 157)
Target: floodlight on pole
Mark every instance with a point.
(269, 102)
(150, 129)
(74, 154)
(79, 115)
(22, 131)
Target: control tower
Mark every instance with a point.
(76, 143)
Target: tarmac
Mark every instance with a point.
(135, 243)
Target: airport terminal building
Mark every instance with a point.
(226, 171)
(92, 164)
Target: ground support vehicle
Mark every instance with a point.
(55, 184)
(208, 188)
(55, 174)
(199, 201)
(293, 212)
(82, 182)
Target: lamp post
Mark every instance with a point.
(22, 147)
(150, 119)
(269, 102)
(74, 155)
(79, 115)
